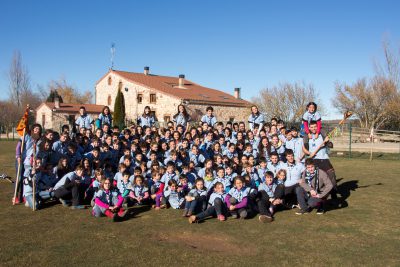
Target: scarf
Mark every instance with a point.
(309, 177)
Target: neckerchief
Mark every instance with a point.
(309, 177)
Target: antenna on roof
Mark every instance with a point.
(112, 55)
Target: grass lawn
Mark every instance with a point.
(365, 231)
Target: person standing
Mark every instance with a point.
(181, 118)
(146, 119)
(105, 117)
(255, 118)
(209, 118)
(84, 120)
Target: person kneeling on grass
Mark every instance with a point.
(314, 187)
(140, 192)
(268, 198)
(216, 206)
(196, 200)
(68, 188)
(173, 196)
(236, 199)
(108, 202)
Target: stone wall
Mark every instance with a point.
(55, 120)
(165, 105)
(223, 113)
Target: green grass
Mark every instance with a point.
(366, 231)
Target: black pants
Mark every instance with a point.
(252, 203)
(263, 203)
(288, 194)
(219, 208)
(68, 191)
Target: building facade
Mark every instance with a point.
(163, 94)
(53, 115)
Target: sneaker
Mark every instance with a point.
(320, 211)
(296, 206)
(78, 207)
(157, 208)
(192, 219)
(16, 201)
(301, 212)
(264, 218)
(120, 216)
(64, 202)
(163, 206)
(234, 215)
(221, 218)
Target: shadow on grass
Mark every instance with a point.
(345, 189)
(135, 211)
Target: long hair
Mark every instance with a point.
(144, 112)
(185, 113)
(104, 108)
(261, 148)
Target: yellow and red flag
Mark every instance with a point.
(23, 123)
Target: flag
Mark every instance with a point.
(23, 123)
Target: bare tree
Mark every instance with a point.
(286, 101)
(375, 101)
(9, 115)
(391, 65)
(68, 92)
(19, 79)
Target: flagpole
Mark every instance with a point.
(19, 168)
(34, 179)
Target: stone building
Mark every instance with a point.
(52, 115)
(163, 94)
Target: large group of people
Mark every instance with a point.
(206, 168)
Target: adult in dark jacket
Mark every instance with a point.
(314, 187)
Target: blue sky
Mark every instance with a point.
(219, 44)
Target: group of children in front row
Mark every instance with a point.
(221, 193)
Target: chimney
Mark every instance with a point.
(236, 93)
(56, 102)
(146, 70)
(181, 80)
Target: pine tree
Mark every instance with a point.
(119, 110)
(53, 94)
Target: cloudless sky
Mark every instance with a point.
(219, 44)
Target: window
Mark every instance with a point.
(153, 98)
(109, 100)
(120, 86)
(231, 119)
(109, 80)
(140, 98)
(43, 120)
(167, 118)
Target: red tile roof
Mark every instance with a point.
(192, 92)
(74, 108)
